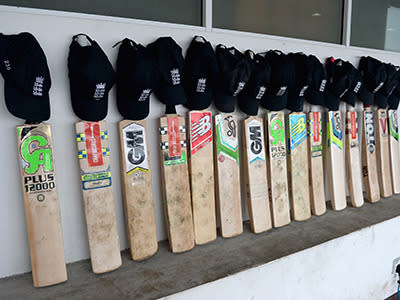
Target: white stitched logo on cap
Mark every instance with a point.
(281, 91)
(201, 85)
(7, 65)
(261, 92)
(175, 76)
(301, 94)
(357, 87)
(100, 90)
(239, 88)
(378, 87)
(145, 94)
(38, 86)
(322, 86)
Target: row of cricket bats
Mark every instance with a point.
(283, 169)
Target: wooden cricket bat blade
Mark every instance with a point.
(335, 160)
(316, 164)
(137, 189)
(42, 211)
(298, 167)
(256, 175)
(369, 163)
(176, 187)
(227, 175)
(277, 168)
(383, 153)
(353, 162)
(394, 149)
(201, 164)
(95, 171)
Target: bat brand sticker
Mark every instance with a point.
(96, 180)
(393, 125)
(336, 133)
(298, 132)
(174, 149)
(200, 130)
(37, 162)
(135, 148)
(227, 143)
(352, 128)
(93, 144)
(369, 131)
(277, 137)
(315, 132)
(255, 150)
(383, 123)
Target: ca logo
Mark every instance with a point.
(35, 151)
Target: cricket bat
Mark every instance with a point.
(175, 179)
(298, 167)
(394, 149)
(42, 211)
(316, 164)
(227, 175)
(137, 189)
(201, 166)
(255, 170)
(353, 162)
(96, 185)
(383, 154)
(369, 163)
(335, 160)
(277, 168)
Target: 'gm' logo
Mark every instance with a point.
(255, 137)
(35, 151)
(135, 142)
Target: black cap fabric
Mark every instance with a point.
(200, 71)
(394, 97)
(315, 94)
(135, 80)
(355, 83)
(169, 62)
(254, 91)
(234, 72)
(300, 74)
(373, 74)
(275, 98)
(26, 77)
(338, 82)
(91, 77)
(392, 81)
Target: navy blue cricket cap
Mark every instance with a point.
(275, 98)
(169, 62)
(26, 77)
(200, 71)
(234, 72)
(300, 69)
(253, 92)
(315, 93)
(355, 83)
(91, 77)
(394, 97)
(373, 74)
(392, 81)
(135, 79)
(338, 82)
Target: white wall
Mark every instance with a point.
(54, 31)
(356, 266)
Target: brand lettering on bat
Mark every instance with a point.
(36, 152)
(277, 132)
(135, 148)
(200, 130)
(255, 137)
(369, 131)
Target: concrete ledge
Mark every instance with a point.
(168, 273)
